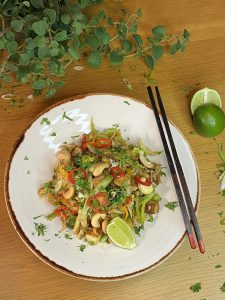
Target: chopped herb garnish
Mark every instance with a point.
(47, 240)
(116, 125)
(75, 136)
(26, 158)
(137, 229)
(172, 205)
(45, 121)
(68, 237)
(68, 168)
(53, 134)
(47, 186)
(196, 287)
(66, 117)
(40, 229)
(82, 247)
(222, 288)
(28, 172)
(218, 266)
(126, 102)
(151, 218)
(220, 213)
(37, 217)
(56, 234)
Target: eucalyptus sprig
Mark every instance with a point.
(39, 39)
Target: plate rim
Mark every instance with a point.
(32, 247)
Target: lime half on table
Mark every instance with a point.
(204, 96)
(120, 234)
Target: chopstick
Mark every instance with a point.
(175, 176)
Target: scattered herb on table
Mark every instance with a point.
(128, 103)
(68, 237)
(196, 287)
(218, 266)
(28, 172)
(222, 288)
(66, 117)
(172, 205)
(45, 121)
(53, 134)
(40, 229)
(26, 158)
(37, 217)
(82, 247)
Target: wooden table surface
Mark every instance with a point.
(23, 275)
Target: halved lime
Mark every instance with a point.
(204, 96)
(120, 233)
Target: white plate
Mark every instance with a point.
(24, 177)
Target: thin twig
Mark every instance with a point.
(68, 63)
(142, 51)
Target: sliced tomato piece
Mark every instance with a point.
(103, 143)
(101, 198)
(117, 172)
(61, 212)
(71, 173)
(84, 142)
(147, 182)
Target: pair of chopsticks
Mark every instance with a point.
(176, 171)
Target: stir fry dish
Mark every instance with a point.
(100, 178)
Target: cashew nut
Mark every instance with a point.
(42, 192)
(92, 239)
(58, 185)
(64, 156)
(145, 189)
(77, 151)
(98, 168)
(69, 193)
(144, 160)
(104, 226)
(95, 220)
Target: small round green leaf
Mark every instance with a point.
(66, 19)
(11, 67)
(93, 41)
(74, 53)
(36, 67)
(58, 84)
(157, 51)
(53, 67)
(40, 41)
(43, 53)
(24, 59)
(103, 35)
(139, 12)
(110, 21)
(127, 45)
(37, 3)
(12, 47)
(40, 27)
(50, 93)
(94, 60)
(54, 51)
(61, 36)
(39, 84)
(26, 3)
(173, 49)
(138, 40)
(50, 14)
(159, 31)
(116, 58)
(10, 36)
(29, 43)
(17, 25)
(149, 61)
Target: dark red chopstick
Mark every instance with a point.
(183, 182)
(173, 172)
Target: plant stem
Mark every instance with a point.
(113, 38)
(3, 23)
(67, 65)
(142, 51)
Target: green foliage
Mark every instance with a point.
(40, 39)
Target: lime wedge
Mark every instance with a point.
(222, 183)
(120, 233)
(204, 96)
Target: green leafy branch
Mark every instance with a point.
(39, 39)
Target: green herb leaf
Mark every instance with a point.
(39, 84)
(61, 36)
(17, 25)
(24, 59)
(222, 288)
(51, 14)
(68, 237)
(10, 36)
(82, 247)
(116, 58)
(45, 121)
(137, 229)
(159, 32)
(12, 47)
(127, 46)
(94, 60)
(37, 3)
(218, 266)
(74, 53)
(157, 51)
(149, 61)
(50, 93)
(196, 287)
(126, 102)
(40, 229)
(26, 158)
(53, 134)
(138, 40)
(40, 27)
(66, 19)
(103, 35)
(66, 117)
(172, 205)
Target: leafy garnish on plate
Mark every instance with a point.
(45, 121)
(40, 229)
(172, 205)
(66, 117)
(82, 247)
(125, 101)
(26, 157)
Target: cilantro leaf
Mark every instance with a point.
(82, 247)
(222, 288)
(128, 103)
(66, 117)
(40, 229)
(196, 287)
(218, 266)
(26, 158)
(172, 205)
(68, 237)
(45, 121)
(53, 134)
